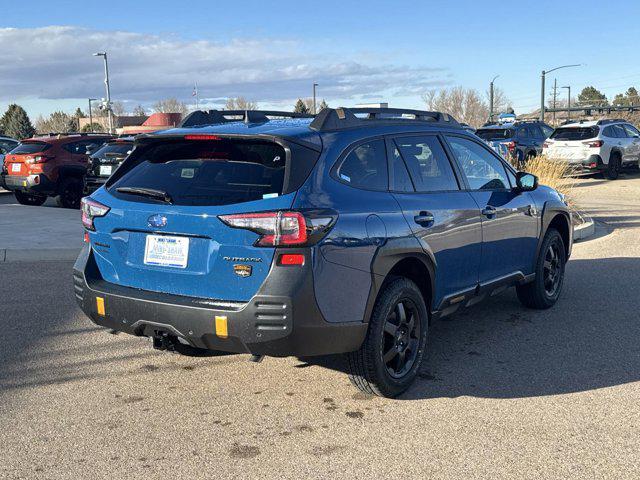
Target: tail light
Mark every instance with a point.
(200, 136)
(512, 145)
(594, 143)
(281, 228)
(90, 210)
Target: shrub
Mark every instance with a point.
(553, 173)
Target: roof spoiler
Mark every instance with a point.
(330, 119)
(210, 117)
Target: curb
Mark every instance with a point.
(39, 255)
(584, 230)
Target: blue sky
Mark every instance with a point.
(272, 52)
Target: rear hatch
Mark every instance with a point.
(17, 161)
(571, 143)
(106, 159)
(174, 241)
(497, 138)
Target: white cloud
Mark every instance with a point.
(56, 63)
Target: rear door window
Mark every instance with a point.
(207, 173)
(619, 131)
(428, 164)
(400, 179)
(631, 131)
(365, 167)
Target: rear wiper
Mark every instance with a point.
(147, 192)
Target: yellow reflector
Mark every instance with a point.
(100, 305)
(24, 184)
(221, 326)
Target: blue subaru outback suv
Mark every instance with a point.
(264, 233)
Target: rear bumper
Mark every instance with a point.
(32, 184)
(282, 319)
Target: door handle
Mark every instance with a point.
(489, 211)
(425, 219)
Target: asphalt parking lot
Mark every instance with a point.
(504, 391)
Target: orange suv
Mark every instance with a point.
(50, 166)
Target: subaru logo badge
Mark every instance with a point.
(157, 221)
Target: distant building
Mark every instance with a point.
(134, 124)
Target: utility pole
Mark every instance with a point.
(491, 98)
(542, 77)
(568, 102)
(314, 98)
(555, 96)
(91, 115)
(106, 84)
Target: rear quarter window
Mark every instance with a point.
(365, 167)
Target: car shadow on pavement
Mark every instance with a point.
(498, 349)
(590, 339)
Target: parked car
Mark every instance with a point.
(48, 166)
(522, 139)
(6, 145)
(602, 145)
(104, 161)
(349, 233)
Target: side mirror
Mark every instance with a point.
(526, 181)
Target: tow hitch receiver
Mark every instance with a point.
(164, 341)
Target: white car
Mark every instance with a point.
(604, 145)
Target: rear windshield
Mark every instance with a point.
(31, 147)
(495, 133)
(111, 150)
(208, 173)
(575, 133)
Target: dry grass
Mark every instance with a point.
(553, 173)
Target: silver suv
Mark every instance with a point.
(604, 145)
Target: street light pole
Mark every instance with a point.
(568, 102)
(91, 115)
(491, 98)
(106, 83)
(555, 90)
(314, 98)
(542, 85)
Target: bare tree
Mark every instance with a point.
(464, 104)
(57, 122)
(118, 109)
(240, 103)
(171, 105)
(139, 111)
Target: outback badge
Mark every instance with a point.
(243, 270)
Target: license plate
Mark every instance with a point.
(105, 170)
(15, 167)
(166, 251)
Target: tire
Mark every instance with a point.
(28, 199)
(613, 168)
(70, 193)
(545, 289)
(398, 328)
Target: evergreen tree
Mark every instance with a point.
(17, 123)
(592, 96)
(322, 105)
(300, 107)
(5, 118)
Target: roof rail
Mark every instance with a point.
(340, 118)
(68, 134)
(605, 121)
(209, 117)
